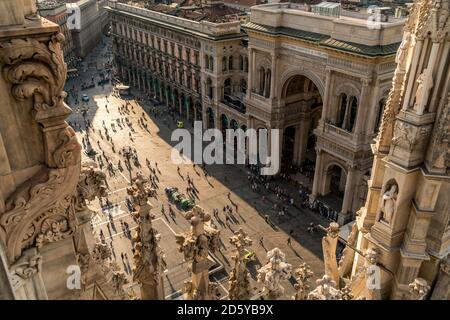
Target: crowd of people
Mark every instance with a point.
(279, 188)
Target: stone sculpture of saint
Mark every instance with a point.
(425, 83)
(400, 58)
(388, 203)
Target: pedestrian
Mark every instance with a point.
(261, 241)
(289, 241)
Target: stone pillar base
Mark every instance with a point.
(344, 218)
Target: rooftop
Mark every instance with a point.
(49, 4)
(192, 10)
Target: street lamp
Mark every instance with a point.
(127, 154)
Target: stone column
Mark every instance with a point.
(318, 173)
(251, 74)
(326, 98)
(363, 108)
(186, 105)
(329, 245)
(302, 142)
(273, 85)
(344, 215)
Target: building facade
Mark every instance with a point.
(181, 62)
(406, 218)
(85, 22)
(323, 80)
(56, 12)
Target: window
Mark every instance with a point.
(224, 64)
(241, 63)
(379, 117)
(341, 110)
(243, 86)
(230, 63)
(227, 87)
(211, 63)
(209, 88)
(188, 55)
(353, 113)
(261, 80)
(206, 61)
(196, 58)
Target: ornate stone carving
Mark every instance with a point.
(347, 293)
(419, 289)
(240, 277)
(195, 246)
(325, 290)
(439, 157)
(91, 184)
(26, 267)
(118, 280)
(302, 275)
(276, 270)
(36, 69)
(53, 230)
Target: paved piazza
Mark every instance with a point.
(212, 191)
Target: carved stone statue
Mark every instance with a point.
(329, 244)
(402, 52)
(325, 290)
(302, 275)
(419, 289)
(389, 200)
(195, 246)
(425, 83)
(276, 270)
(240, 277)
(148, 256)
(118, 281)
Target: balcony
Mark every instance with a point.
(235, 101)
(330, 128)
